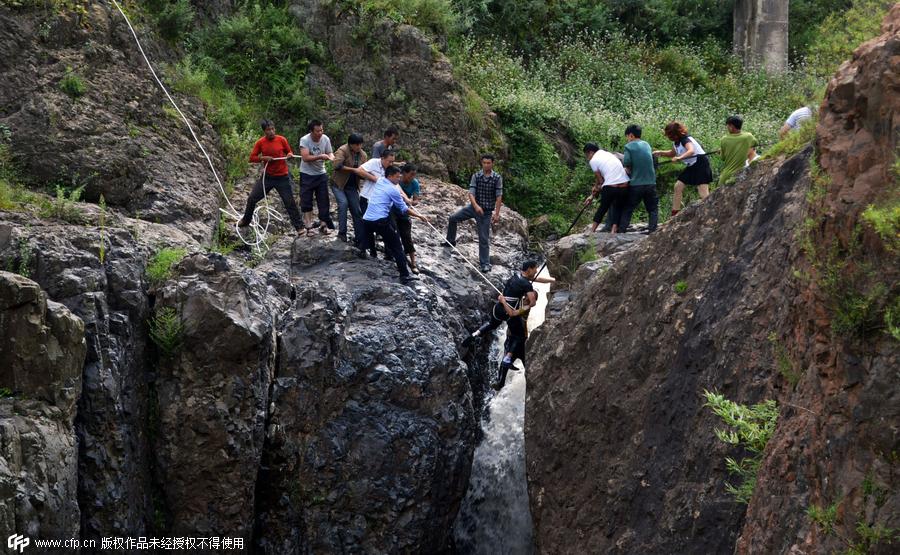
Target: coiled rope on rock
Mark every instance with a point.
(260, 231)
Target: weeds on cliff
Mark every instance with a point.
(782, 359)
(72, 84)
(26, 253)
(102, 224)
(751, 429)
(680, 287)
(159, 268)
(885, 221)
(221, 242)
(795, 141)
(5, 392)
(173, 19)
(866, 537)
(64, 205)
(892, 318)
(167, 331)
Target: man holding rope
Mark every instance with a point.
(273, 150)
(512, 307)
(383, 196)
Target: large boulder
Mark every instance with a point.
(216, 364)
(117, 137)
(42, 350)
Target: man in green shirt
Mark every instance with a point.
(638, 162)
(737, 149)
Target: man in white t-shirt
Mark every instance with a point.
(795, 120)
(370, 172)
(315, 148)
(610, 184)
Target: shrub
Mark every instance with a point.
(167, 331)
(885, 221)
(174, 19)
(751, 429)
(783, 362)
(841, 32)
(72, 84)
(5, 392)
(824, 518)
(64, 205)
(680, 287)
(159, 269)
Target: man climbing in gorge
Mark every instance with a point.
(512, 307)
(272, 150)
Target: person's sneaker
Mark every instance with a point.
(361, 254)
(406, 280)
(342, 237)
(485, 268)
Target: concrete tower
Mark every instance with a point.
(761, 33)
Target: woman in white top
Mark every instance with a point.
(687, 149)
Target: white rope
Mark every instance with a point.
(467, 261)
(259, 243)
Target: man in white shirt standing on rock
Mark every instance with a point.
(371, 171)
(795, 120)
(610, 183)
(315, 148)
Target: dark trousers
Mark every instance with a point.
(391, 241)
(636, 194)
(315, 186)
(614, 200)
(348, 199)
(515, 333)
(403, 225)
(364, 236)
(285, 188)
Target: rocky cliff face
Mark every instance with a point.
(310, 402)
(623, 368)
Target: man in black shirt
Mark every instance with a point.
(512, 307)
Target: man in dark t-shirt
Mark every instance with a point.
(512, 307)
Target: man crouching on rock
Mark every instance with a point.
(383, 196)
(512, 307)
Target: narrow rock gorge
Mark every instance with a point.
(778, 287)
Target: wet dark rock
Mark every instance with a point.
(42, 351)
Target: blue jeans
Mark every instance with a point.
(484, 230)
(348, 198)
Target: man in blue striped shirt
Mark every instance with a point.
(384, 195)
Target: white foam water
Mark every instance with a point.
(494, 517)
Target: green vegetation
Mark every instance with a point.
(26, 253)
(222, 244)
(64, 205)
(589, 87)
(867, 537)
(167, 332)
(159, 269)
(795, 141)
(680, 287)
(782, 358)
(173, 18)
(885, 221)
(72, 84)
(841, 32)
(5, 392)
(751, 428)
(436, 17)
(824, 518)
(102, 224)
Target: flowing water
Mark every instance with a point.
(494, 517)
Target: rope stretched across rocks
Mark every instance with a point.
(260, 231)
(466, 260)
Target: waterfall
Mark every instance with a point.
(494, 517)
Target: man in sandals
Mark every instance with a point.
(315, 148)
(276, 175)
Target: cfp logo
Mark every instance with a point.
(17, 542)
